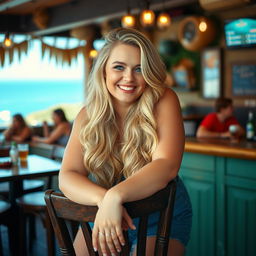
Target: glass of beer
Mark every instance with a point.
(23, 152)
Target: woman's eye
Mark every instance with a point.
(118, 67)
(138, 69)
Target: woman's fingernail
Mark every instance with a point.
(112, 254)
(95, 249)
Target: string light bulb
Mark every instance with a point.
(93, 53)
(7, 40)
(128, 21)
(163, 20)
(202, 26)
(147, 18)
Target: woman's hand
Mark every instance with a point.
(109, 223)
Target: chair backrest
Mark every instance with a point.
(61, 208)
(58, 152)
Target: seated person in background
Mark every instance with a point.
(18, 131)
(216, 124)
(60, 133)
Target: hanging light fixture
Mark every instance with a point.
(93, 53)
(128, 20)
(147, 17)
(7, 40)
(163, 20)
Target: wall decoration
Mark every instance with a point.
(184, 75)
(243, 79)
(211, 78)
(196, 32)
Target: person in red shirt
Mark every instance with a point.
(217, 124)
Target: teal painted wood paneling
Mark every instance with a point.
(198, 162)
(197, 174)
(202, 197)
(241, 168)
(220, 207)
(223, 196)
(241, 222)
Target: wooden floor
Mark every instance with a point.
(39, 246)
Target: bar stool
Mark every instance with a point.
(33, 204)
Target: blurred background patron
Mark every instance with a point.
(61, 132)
(18, 131)
(221, 123)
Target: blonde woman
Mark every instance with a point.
(126, 144)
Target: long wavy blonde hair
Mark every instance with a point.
(108, 157)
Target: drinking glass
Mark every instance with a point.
(23, 152)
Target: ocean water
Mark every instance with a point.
(29, 96)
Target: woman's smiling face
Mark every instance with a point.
(123, 75)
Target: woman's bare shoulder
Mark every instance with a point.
(81, 117)
(168, 99)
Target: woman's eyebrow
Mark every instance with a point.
(119, 62)
(123, 63)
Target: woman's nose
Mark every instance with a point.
(128, 75)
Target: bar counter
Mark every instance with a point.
(220, 176)
(222, 147)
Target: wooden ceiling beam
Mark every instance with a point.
(79, 13)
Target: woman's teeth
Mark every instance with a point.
(126, 88)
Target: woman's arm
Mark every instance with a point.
(25, 134)
(203, 132)
(73, 180)
(166, 159)
(46, 131)
(53, 136)
(8, 133)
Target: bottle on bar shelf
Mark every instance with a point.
(250, 129)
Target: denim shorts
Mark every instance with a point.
(181, 221)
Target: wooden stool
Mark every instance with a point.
(34, 204)
(5, 219)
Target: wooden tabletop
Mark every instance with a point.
(36, 166)
(222, 147)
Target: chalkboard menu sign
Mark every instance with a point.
(244, 79)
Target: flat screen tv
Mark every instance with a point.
(240, 32)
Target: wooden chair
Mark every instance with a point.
(5, 212)
(33, 204)
(61, 209)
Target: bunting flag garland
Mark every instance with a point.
(20, 48)
(61, 56)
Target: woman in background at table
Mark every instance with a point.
(61, 132)
(18, 131)
(126, 144)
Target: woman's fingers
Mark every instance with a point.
(95, 233)
(116, 240)
(128, 220)
(120, 236)
(102, 243)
